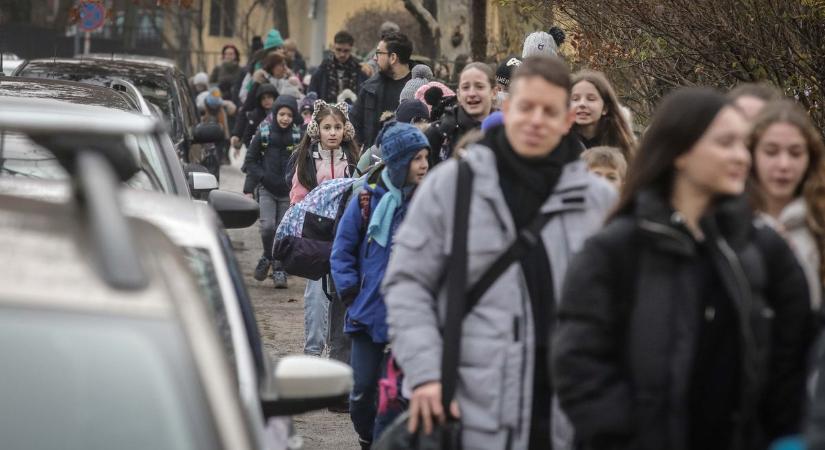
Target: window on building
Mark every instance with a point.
(222, 17)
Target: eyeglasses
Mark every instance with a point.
(381, 53)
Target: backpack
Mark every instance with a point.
(303, 240)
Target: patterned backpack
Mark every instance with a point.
(303, 240)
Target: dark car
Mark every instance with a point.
(159, 80)
(26, 158)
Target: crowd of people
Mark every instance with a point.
(616, 289)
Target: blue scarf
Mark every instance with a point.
(381, 220)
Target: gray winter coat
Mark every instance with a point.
(497, 347)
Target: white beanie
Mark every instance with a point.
(200, 78)
(543, 43)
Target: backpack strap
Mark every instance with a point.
(456, 285)
(364, 199)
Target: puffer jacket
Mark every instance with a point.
(444, 133)
(267, 159)
(358, 265)
(252, 114)
(497, 348)
(629, 320)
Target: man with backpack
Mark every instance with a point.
(359, 258)
(493, 234)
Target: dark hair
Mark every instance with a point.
(680, 121)
(763, 91)
(812, 186)
(271, 60)
(612, 129)
(550, 68)
(343, 37)
(399, 44)
(304, 148)
(237, 53)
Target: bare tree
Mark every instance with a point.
(649, 47)
(424, 14)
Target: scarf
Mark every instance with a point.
(381, 220)
(349, 80)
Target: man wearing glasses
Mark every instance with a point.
(380, 93)
(338, 73)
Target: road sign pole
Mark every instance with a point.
(87, 43)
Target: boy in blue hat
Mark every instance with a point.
(360, 254)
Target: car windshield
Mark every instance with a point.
(22, 157)
(201, 265)
(75, 382)
(155, 89)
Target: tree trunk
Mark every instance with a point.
(430, 30)
(478, 30)
(280, 15)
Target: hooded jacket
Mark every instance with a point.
(629, 320)
(267, 159)
(253, 114)
(497, 348)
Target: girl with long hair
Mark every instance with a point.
(599, 117)
(682, 324)
(789, 184)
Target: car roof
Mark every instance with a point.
(105, 67)
(157, 60)
(25, 113)
(68, 92)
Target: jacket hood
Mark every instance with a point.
(266, 89)
(288, 101)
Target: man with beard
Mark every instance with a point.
(340, 72)
(380, 93)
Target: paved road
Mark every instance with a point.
(280, 314)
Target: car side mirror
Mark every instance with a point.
(235, 210)
(202, 181)
(207, 133)
(298, 384)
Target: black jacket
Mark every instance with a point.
(445, 132)
(366, 111)
(267, 160)
(628, 319)
(319, 82)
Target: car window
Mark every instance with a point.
(22, 157)
(247, 310)
(201, 265)
(76, 382)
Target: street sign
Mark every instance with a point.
(92, 14)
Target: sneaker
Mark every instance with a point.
(365, 445)
(279, 277)
(262, 269)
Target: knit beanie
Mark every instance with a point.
(200, 78)
(421, 74)
(541, 43)
(308, 101)
(273, 39)
(400, 143)
(493, 120)
(505, 70)
(411, 109)
(214, 100)
(420, 94)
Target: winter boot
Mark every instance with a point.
(279, 277)
(262, 269)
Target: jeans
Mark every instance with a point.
(367, 361)
(316, 318)
(272, 211)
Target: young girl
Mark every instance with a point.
(682, 324)
(327, 151)
(476, 93)
(599, 119)
(360, 254)
(789, 176)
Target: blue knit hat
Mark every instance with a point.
(493, 120)
(273, 39)
(400, 143)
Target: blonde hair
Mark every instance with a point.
(604, 156)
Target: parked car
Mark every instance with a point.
(117, 345)
(158, 80)
(161, 168)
